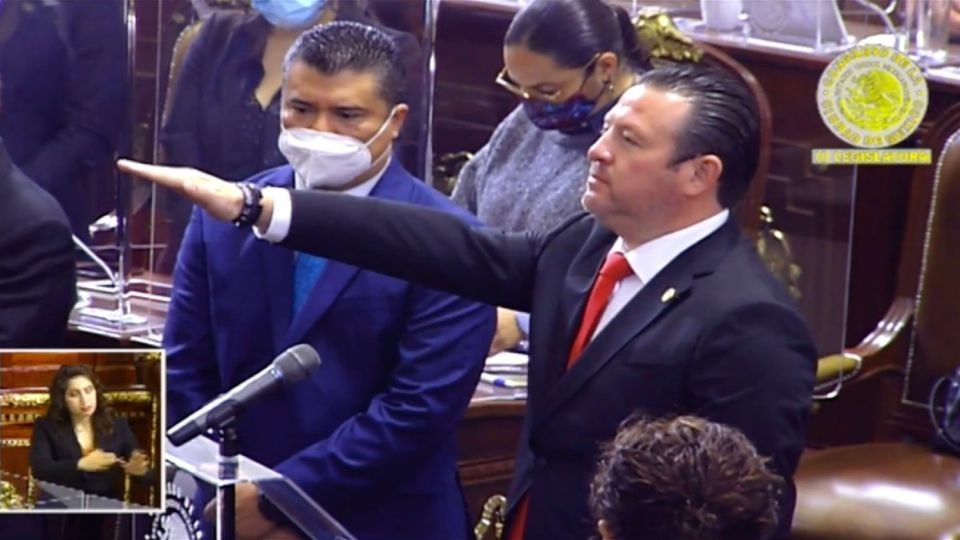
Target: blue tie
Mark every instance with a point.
(305, 274)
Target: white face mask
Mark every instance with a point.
(327, 160)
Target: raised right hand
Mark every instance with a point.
(221, 199)
(98, 460)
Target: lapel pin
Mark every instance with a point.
(668, 295)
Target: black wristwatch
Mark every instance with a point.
(251, 205)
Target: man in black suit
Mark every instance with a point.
(37, 268)
(695, 323)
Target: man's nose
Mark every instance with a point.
(322, 123)
(598, 150)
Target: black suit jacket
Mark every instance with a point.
(713, 334)
(37, 266)
(54, 453)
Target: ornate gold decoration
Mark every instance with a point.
(493, 511)
(19, 418)
(447, 170)
(774, 250)
(128, 396)
(9, 498)
(657, 33)
(24, 399)
(154, 411)
(148, 356)
(15, 443)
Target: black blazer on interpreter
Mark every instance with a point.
(55, 451)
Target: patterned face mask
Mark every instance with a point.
(566, 116)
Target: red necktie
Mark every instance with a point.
(614, 269)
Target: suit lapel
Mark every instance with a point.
(642, 311)
(574, 299)
(337, 276)
(277, 264)
(333, 280)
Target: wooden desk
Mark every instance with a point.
(487, 441)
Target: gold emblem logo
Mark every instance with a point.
(872, 96)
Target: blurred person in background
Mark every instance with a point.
(65, 98)
(37, 269)
(568, 61)
(224, 112)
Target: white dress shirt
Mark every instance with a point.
(279, 225)
(649, 259)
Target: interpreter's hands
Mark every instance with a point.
(97, 460)
(508, 333)
(221, 199)
(137, 465)
(251, 523)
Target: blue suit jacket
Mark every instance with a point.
(370, 436)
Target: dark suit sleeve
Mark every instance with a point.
(45, 464)
(96, 92)
(126, 443)
(192, 376)
(755, 371)
(37, 283)
(441, 353)
(417, 244)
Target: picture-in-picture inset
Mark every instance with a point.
(80, 431)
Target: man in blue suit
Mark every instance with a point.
(370, 436)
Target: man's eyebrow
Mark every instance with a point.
(300, 102)
(350, 108)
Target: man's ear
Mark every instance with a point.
(400, 112)
(704, 175)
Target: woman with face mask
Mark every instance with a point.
(223, 112)
(568, 61)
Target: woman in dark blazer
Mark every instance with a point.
(81, 443)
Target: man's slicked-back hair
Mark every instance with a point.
(351, 46)
(723, 121)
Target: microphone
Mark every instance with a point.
(293, 365)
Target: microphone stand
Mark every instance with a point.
(228, 465)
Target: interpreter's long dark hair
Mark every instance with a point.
(103, 416)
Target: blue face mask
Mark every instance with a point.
(289, 13)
